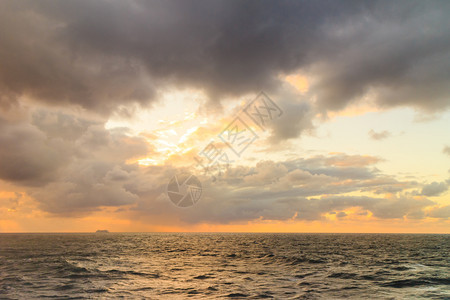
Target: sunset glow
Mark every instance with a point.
(353, 133)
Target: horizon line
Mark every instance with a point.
(277, 232)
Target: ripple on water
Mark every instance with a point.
(224, 265)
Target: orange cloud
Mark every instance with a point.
(343, 160)
(298, 81)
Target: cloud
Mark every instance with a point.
(65, 62)
(41, 62)
(379, 135)
(285, 191)
(434, 189)
(341, 214)
(236, 207)
(440, 212)
(296, 118)
(340, 166)
(11, 202)
(90, 170)
(106, 54)
(446, 150)
(384, 54)
(344, 160)
(97, 175)
(73, 166)
(26, 156)
(70, 165)
(76, 195)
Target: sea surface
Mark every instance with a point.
(224, 265)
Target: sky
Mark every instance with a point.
(342, 110)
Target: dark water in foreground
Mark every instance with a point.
(178, 266)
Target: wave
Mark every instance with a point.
(417, 282)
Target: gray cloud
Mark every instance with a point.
(389, 53)
(227, 207)
(434, 188)
(70, 165)
(106, 55)
(379, 135)
(339, 168)
(102, 54)
(61, 125)
(26, 156)
(97, 174)
(86, 187)
(40, 61)
(440, 212)
(88, 168)
(283, 191)
(88, 171)
(446, 150)
(341, 214)
(296, 118)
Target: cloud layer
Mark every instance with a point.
(72, 166)
(67, 66)
(303, 189)
(100, 55)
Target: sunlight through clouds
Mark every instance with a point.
(310, 116)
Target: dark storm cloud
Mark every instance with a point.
(39, 61)
(398, 53)
(105, 53)
(27, 156)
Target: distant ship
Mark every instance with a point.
(102, 231)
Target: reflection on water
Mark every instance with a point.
(181, 265)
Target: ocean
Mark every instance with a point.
(224, 265)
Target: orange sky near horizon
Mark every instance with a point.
(34, 220)
(332, 123)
